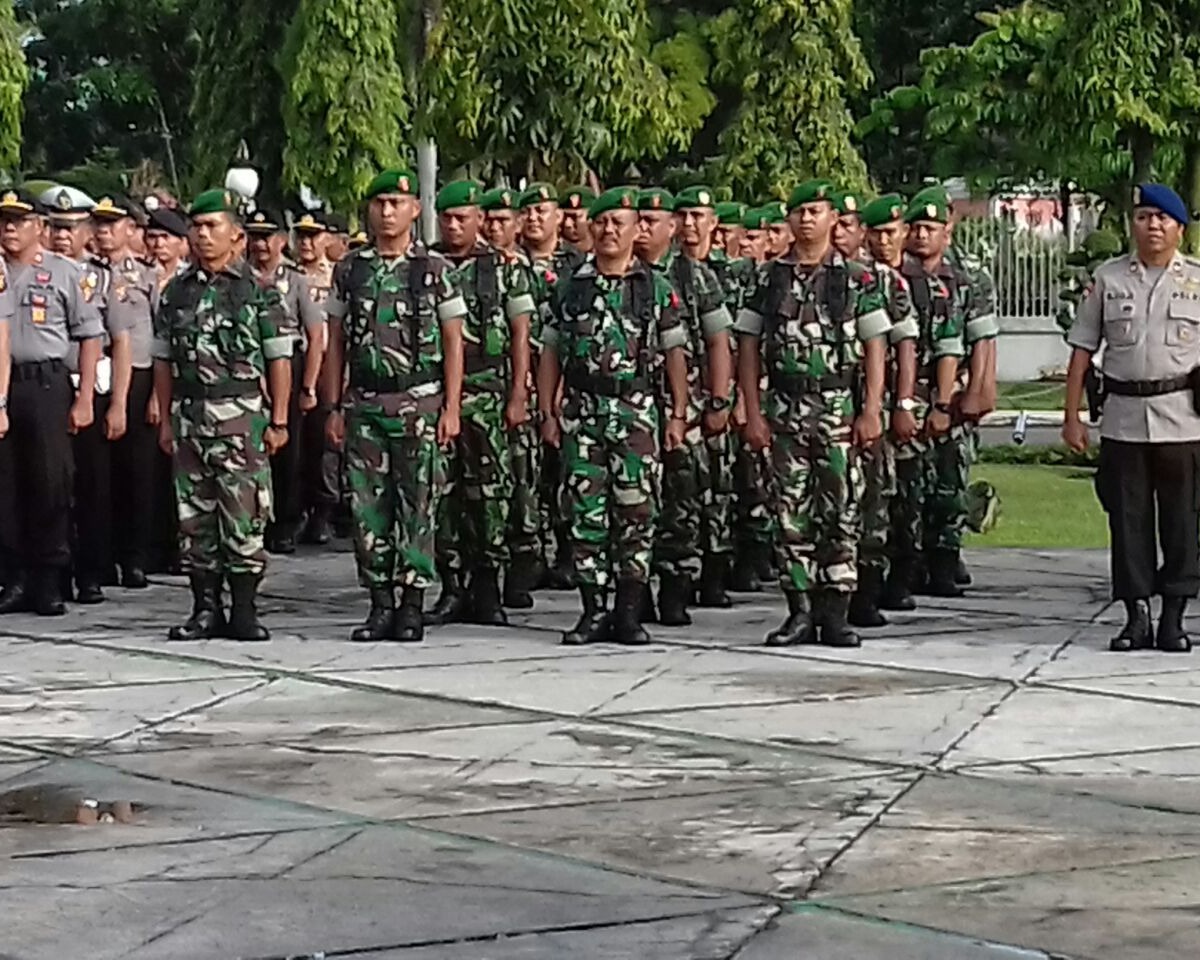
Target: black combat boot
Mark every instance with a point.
(864, 605)
(743, 576)
(595, 622)
(88, 592)
(897, 589)
(1138, 632)
(962, 576)
(798, 628)
(14, 598)
(243, 613)
(380, 620)
(942, 565)
(834, 608)
(523, 574)
(47, 593)
(485, 598)
(1172, 637)
(713, 576)
(647, 612)
(207, 619)
(409, 625)
(317, 531)
(133, 575)
(673, 594)
(627, 625)
(453, 604)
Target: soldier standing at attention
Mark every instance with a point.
(778, 239)
(266, 239)
(217, 336)
(1144, 308)
(396, 318)
(608, 322)
(573, 228)
(754, 236)
(818, 322)
(727, 235)
(50, 314)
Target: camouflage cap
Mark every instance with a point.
(731, 213)
(401, 180)
(615, 198)
(265, 222)
(217, 200)
(810, 191)
(460, 193)
(931, 203)
(537, 193)
(577, 198)
(499, 198)
(695, 198)
(655, 198)
(889, 208)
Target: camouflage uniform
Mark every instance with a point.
(606, 332)
(219, 332)
(811, 324)
(391, 313)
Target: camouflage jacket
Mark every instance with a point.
(980, 322)
(391, 321)
(219, 331)
(942, 301)
(735, 277)
(497, 290)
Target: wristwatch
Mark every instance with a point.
(278, 426)
(719, 404)
(3, 403)
(908, 404)
(941, 407)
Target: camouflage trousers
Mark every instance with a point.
(697, 506)
(818, 484)
(879, 488)
(752, 511)
(526, 516)
(223, 489)
(395, 473)
(610, 457)
(947, 469)
(474, 508)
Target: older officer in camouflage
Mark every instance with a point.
(396, 318)
(610, 320)
(818, 322)
(217, 336)
(1145, 309)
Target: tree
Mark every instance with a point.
(790, 67)
(13, 77)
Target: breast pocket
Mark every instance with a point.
(1120, 323)
(1183, 322)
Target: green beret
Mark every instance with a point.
(401, 180)
(932, 203)
(754, 219)
(615, 198)
(213, 201)
(538, 193)
(655, 198)
(886, 209)
(846, 201)
(811, 191)
(577, 198)
(694, 198)
(731, 213)
(499, 198)
(460, 193)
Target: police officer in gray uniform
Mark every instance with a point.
(1145, 310)
(36, 465)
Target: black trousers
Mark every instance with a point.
(134, 467)
(285, 465)
(93, 508)
(1146, 487)
(320, 466)
(36, 466)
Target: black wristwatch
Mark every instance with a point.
(278, 426)
(941, 407)
(719, 404)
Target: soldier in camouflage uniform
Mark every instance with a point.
(692, 544)
(727, 235)
(778, 239)
(217, 336)
(396, 317)
(818, 323)
(881, 225)
(574, 229)
(609, 321)
(495, 398)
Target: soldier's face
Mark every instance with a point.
(337, 245)
(614, 232)
(161, 244)
(112, 236)
(392, 214)
(215, 237)
(264, 248)
(500, 227)
(812, 223)
(696, 226)
(849, 234)
(886, 243)
(655, 230)
(69, 238)
(310, 246)
(928, 238)
(460, 227)
(541, 221)
(1154, 232)
(754, 244)
(779, 239)
(574, 227)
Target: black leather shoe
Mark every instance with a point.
(134, 578)
(799, 627)
(380, 622)
(409, 626)
(89, 592)
(1172, 637)
(1138, 632)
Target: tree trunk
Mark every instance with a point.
(1141, 145)
(1191, 187)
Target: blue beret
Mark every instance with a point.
(1161, 198)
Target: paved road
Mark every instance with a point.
(980, 781)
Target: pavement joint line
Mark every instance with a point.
(1090, 755)
(1132, 696)
(351, 836)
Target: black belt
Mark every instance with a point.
(801, 383)
(36, 369)
(1147, 388)
(479, 363)
(190, 390)
(395, 383)
(602, 386)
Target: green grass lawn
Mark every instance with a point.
(1042, 507)
(1030, 396)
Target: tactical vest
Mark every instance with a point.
(493, 324)
(230, 301)
(932, 312)
(579, 302)
(782, 304)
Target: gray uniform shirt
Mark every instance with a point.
(1149, 324)
(52, 309)
(303, 313)
(131, 306)
(8, 303)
